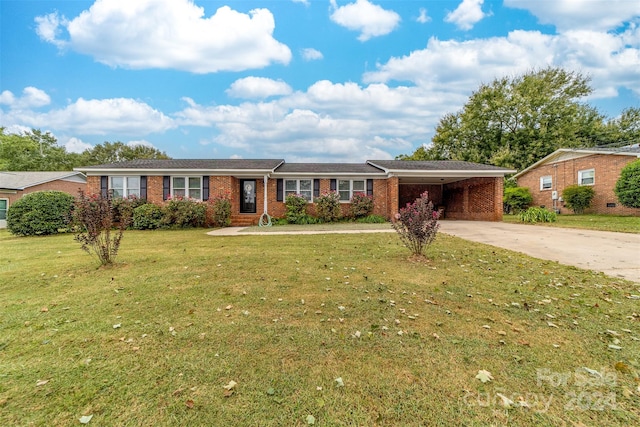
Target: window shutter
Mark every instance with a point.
(104, 185)
(316, 188)
(205, 188)
(333, 185)
(279, 190)
(166, 187)
(143, 187)
(369, 187)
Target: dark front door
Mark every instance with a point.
(247, 196)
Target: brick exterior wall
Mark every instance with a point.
(57, 185)
(477, 198)
(607, 169)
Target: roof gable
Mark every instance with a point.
(20, 180)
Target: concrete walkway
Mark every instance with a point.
(615, 254)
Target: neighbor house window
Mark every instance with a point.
(186, 186)
(587, 177)
(125, 186)
(545, 182)
(303, 187)
(4, 204)
(347, 188)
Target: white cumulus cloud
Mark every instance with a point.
(169, 34)
(310, 54)
(32, 97)
(368, 18)
(467, 14)
(581, 14)
(423, 18)
(76, 145)
(258, 87)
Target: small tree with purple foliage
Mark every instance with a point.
(417, 224)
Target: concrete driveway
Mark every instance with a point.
(615, 254)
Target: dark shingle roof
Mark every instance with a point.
(433, 165)
(329, 168)
(210, 164)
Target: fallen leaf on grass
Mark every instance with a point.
(271, 391)
(229, 388)
(615, 347)
(552, 325)
(41, 383)
(505, 401)
(484, 376)
(85, 419)
(189, 404)
(44, 309)
(311, 420)
(117, 325)
(339, 382)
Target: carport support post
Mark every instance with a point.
(265, 180)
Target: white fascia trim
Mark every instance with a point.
(309, 175)
(450, 173)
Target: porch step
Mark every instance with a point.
(244, 220)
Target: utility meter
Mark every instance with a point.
(554, 195)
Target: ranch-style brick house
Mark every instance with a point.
(463, 190)
(596, 167)
(14, 185)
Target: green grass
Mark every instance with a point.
(280, 316)
(623, 224)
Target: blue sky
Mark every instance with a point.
(303, 80)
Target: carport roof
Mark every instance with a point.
(13, 180)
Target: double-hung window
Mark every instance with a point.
(303, 187)
(587, 177)
(347, 188)
(4, 206)
(186, 187)
(545, 182)
(125, 186)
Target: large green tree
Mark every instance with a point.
(37, 151)
(111, 152)
(514, 122)
(33, 151)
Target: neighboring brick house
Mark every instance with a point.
(596, 167)
(14, 185)
(463, 190)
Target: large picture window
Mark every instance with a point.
(125, 186)
(186, 187)
(347, 188)
(587, 177)
(303, 187)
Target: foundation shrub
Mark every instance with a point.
(627, 187)
(578, 197)
(372, 219)
(296, 209)
(328, 207)
(361, 205)
(124, 206)
(516, 199)
(147, 217)
(219, 211)
(40, 213)
(184, 213)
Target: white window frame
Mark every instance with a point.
(546, 178)
(351, 190)
(298, 189)
(128, 188)
(187, 187)
(581, 176)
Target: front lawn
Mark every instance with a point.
(623, 224)
(324, 329)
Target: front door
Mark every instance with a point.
(247, 196)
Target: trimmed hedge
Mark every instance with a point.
(40, 213)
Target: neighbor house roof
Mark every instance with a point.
(10, 180)
(563, 154)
